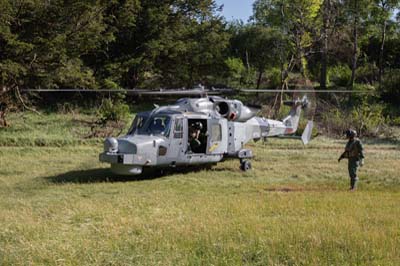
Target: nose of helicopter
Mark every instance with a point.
(129, 154)
(124, 146)
(111, 145)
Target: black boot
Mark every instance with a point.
(353, 183)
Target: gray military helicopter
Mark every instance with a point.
(197, 131)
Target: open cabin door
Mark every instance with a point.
(217, 140)
(177, 144)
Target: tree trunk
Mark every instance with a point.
(355, 45)
(247, 61)
(324, 63)
(248, 68)
(3, 108)
(303, 64)
(381, 52)
(324, 56)
(300, 55)
(260, 73)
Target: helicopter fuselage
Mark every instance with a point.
(164, 137)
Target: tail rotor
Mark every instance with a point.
(305, 94)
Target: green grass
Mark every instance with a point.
(54, 129)
(60, 206)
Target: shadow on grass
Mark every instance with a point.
(98, 176)
(105, 175)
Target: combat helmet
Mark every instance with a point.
(350, 133)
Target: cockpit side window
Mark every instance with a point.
(178, 129)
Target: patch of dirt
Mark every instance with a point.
(297, 189)
(105, 129)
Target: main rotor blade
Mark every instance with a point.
(314, 91)
(131, 92)
(193, 92)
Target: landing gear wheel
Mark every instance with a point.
(245, 165)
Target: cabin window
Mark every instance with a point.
(216, 132)
(178, 129)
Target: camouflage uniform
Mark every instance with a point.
(194, 145)
(194, 141)
(355, 155)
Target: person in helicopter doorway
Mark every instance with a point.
(194, 137)
(354, 152)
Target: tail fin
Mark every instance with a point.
(292, 120)
(306, 136)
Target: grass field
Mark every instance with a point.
(60, 206)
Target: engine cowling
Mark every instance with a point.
(233, 110)
(223, 109)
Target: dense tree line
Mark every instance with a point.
(111, 44)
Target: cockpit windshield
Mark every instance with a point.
(157, 125)
(138, 123)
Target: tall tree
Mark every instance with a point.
(171, 43)
(298, 19)
(331, 16)
(382, 11)
(326, 10)
(261, 47)
(13, 50)
(45, 42)
(357, 13)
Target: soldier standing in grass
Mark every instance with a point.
(354, 153)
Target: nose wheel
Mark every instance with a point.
(245, 165)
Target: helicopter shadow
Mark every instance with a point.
(104, 175)
(100, 175)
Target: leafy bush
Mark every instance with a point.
(340, 75)
(389, 90)
(366, 73)
(367, 119)
(273, 77)
(334, 122)
(395, 121)
(283, 111)
(64, 108)
(358, 98)
(113, 110)
(73, 74)
(110, 85)
(236, 71)
(363, 88)
(393, 114)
